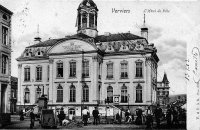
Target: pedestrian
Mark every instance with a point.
(175, 121)
(85, 115)
(127, 114)
(61, 116)
(99, 118)
(32, 116)
(118, 118)
(138, 120)
(169, 116)
(149, 118)
(158, 115)
(95, 114)
(21, 114)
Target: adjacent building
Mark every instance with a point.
(87, 69)
(5, 59)
(163, 91)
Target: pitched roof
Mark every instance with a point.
(100, 38)
(5, 9)
(117, 37)
(165, 80)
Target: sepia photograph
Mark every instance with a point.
(97, 64)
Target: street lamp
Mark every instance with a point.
(106, 101)
(128, 100)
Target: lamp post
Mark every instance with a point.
(106, 101)
(128, 100)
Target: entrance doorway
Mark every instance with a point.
(3, 98)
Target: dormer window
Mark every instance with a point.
(39, 53)
(27, 54)
(5, 17)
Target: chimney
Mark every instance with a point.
(144, 30)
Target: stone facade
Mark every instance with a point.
(87, 69)
(5, 58)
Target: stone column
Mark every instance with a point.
(51, 91)
(81, 20)
(88, 20)
(19, 88)
(94, 75)
(94, 21)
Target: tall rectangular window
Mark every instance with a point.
(27, 74)
(72, 69)
(60, 70)
(38, 73)
(4, 65)
(4, 35)
(124, 70)
(86, 69)
(48, 73)
(85, 96)
(110, 70)
(138, 70)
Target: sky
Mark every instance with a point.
(170, 25)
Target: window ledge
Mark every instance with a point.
(59, 101)
(72, 77)
(138, 101)
(38, 80)
(139, 77)
(59, 77)
(27, 81)
(72, 101)
(123, 78)
(86, 76)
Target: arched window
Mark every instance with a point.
(110, 94)
(124, 95)
(84, 20)
(138, 93)
(72, 93)
(5, 17)
(85, 93)
(26, 95)
(38, 93)
(71, 111)
(59, 93)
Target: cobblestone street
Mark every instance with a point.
(17, 124)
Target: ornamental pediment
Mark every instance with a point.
(120, 46)
(72, 46)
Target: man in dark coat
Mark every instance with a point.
(169, 116)
(95, 114)
(32, 116)
(138, 120)
(61, 116)
(158, 115)
(21, 113)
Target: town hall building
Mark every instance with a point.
(86, 69)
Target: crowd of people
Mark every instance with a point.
(171, 116)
